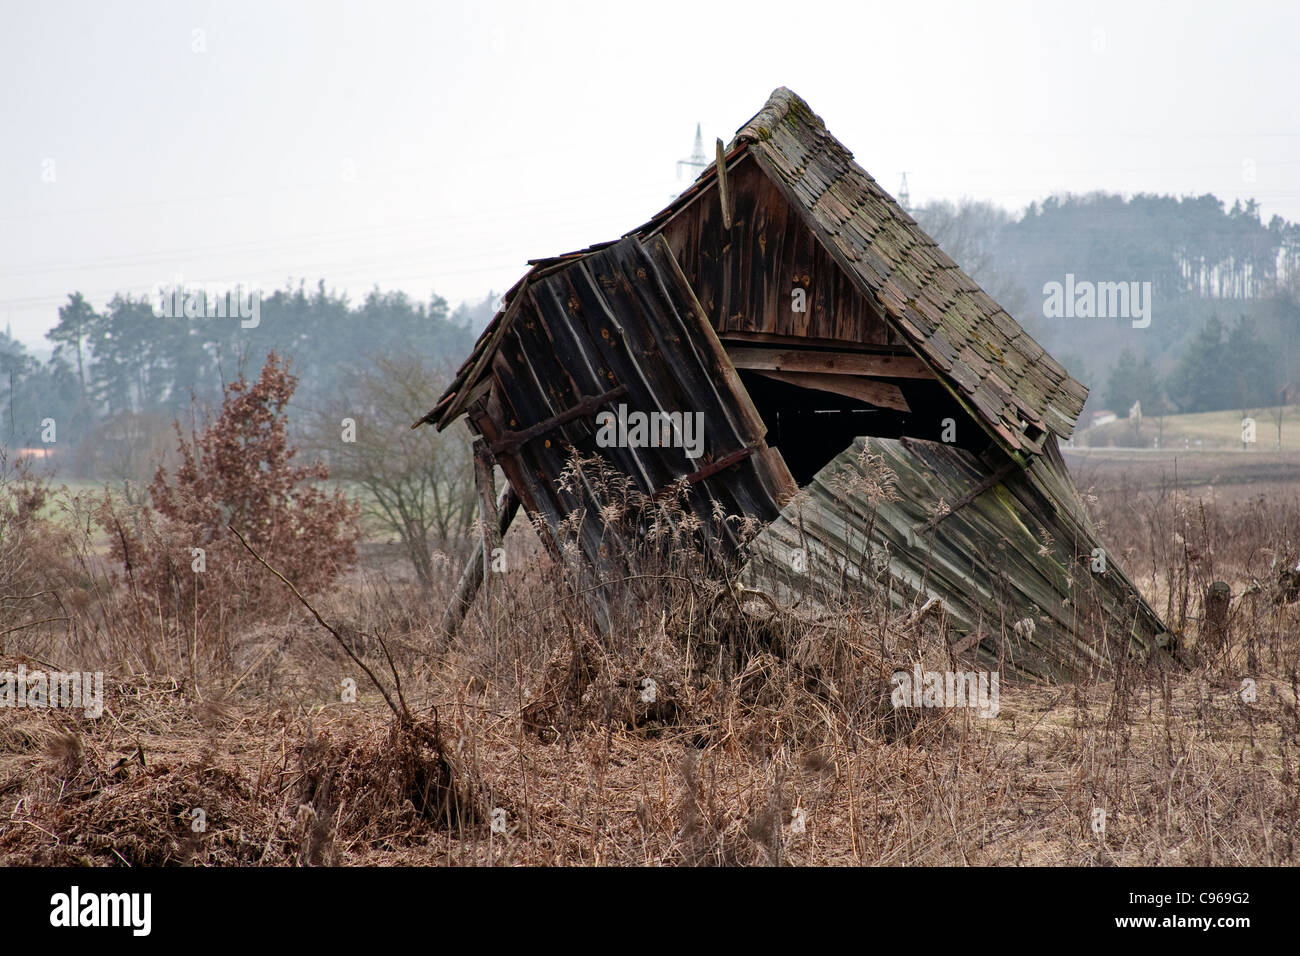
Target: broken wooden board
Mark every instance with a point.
(1013, 565)
(880, 394)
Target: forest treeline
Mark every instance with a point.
(1224, 298)
(114, 368)
(1224, 292)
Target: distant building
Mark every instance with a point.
(1102, 417)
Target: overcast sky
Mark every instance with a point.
(437, 146)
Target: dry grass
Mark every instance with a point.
(768, 739)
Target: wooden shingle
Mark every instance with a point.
(939, 308)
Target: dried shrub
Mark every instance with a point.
(41, 580)
(240, 470)
(381, 790)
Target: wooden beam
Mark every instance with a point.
(485, 482)
(829, 363)
(803, 342)
(478, 391)
(882, 394)
(482, 356)
(510, 441)
(472, 577)
(708, 471)
(989, 481)
(724, 192)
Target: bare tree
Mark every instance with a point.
(416, 484)
(969, 232)
(1286, 394)
(126, 449)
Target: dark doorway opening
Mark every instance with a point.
(810, 426)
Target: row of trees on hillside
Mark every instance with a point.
(1222, 367)
(127, 361)
(1185, 246)
(131, 392)
(1202, 259)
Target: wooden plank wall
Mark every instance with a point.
(623, 316)
(744, 277)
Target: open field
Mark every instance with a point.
(1200, 431)
(1231, 475)
(770, 739)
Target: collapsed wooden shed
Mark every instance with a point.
(793, 304)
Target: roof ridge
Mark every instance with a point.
(779, 105)
(894, 260)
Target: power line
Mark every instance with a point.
(441, 224)
(697, 162)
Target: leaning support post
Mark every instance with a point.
(472, 577)
(489, 517)
(1214, 626)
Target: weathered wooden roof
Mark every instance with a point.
(956, 327)
(996, 545)
(452, 401)
(981, 354)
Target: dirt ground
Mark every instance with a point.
(528, 743)
(1184, 769)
